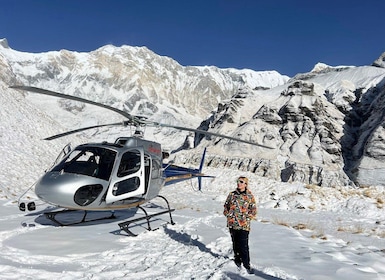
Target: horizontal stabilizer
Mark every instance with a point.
(175, 174)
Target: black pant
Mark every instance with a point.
(240, 240)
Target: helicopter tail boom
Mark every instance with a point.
(175, 174)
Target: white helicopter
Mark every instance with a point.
(110, 176)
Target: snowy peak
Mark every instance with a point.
(137, 78)
(380, 62)
(4, 43)
(322, 68)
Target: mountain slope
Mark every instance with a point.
(135, 78)
(325, 127)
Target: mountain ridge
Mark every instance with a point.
(324, 127)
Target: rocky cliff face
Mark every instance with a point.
(324, 128)
(301, 129)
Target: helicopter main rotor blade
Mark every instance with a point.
(83, 129)
(134, 119)
(204, 132)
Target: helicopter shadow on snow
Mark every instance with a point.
(188, 240)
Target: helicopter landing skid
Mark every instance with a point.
(125, 226)
(52, 216)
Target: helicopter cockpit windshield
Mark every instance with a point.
(91, 161)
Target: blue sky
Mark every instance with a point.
(287, 36)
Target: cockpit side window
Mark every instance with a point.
(91, 161)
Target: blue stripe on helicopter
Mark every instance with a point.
(174, 173)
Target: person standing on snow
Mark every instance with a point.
(240, 208)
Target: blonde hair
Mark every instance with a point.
(244, 179)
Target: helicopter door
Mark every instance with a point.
(129, 178)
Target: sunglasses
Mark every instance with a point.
(242, 182)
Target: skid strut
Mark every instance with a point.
(52, 217)
(126, 224)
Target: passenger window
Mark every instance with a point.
(129, 164)
(126, 186)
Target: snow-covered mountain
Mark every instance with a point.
(134, 78)
(325, 127)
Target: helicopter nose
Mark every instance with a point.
(52, 190)
(68, 190)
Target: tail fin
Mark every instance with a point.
(202, 160)
(200, 169)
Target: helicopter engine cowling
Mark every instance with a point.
(70, 190)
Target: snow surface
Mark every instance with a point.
(342, 238)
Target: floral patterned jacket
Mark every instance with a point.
(240, 209)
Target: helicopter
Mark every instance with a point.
(111, 176)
